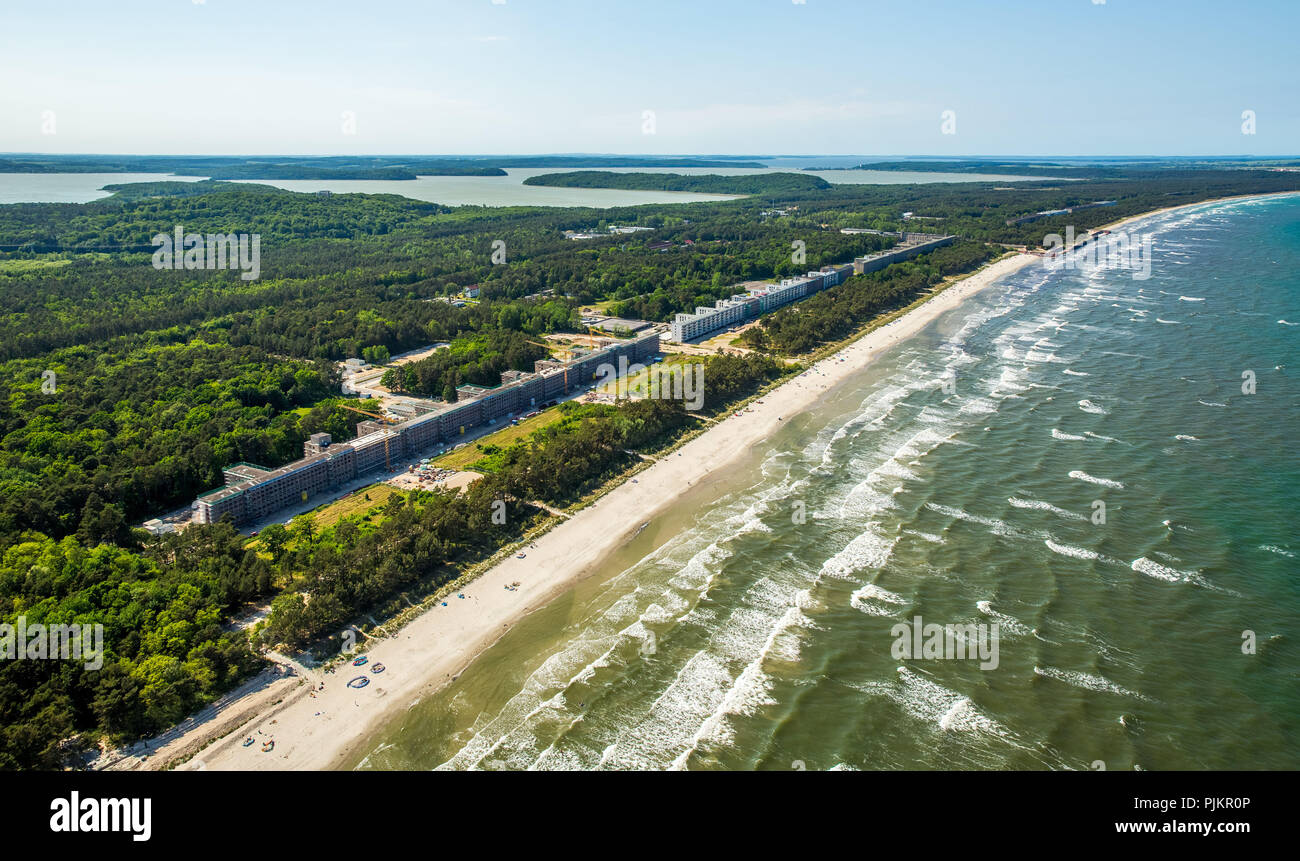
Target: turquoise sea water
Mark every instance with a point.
(957, 480)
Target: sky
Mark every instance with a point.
(753, 77)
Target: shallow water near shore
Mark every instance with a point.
(958, 479)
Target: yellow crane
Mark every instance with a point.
(388, 463)
(566, 355)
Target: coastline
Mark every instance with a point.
(1130, 219)
(326, 730)
(322, 732)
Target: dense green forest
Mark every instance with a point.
(130, 432)
(1005, 168)
(476, 361)
(162, 377)
(836, 313)
(763, 183)
(165, 602)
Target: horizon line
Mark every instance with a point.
(576, 154)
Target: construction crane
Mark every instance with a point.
(595, 343)
(565, 356)
(388, 462)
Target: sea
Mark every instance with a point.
(1087, 471)
(506, 190)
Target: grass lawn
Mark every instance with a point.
(636, 382)
(462, 458)
(354, 504)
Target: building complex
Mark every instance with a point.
(253, 492)
(766, 297)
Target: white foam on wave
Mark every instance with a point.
(865, 499)
(1151, 568)
(1088, 681)
(1089, 407)
(997, 527)
(1070, 550)
(1273, 548)
(750, 691)
(1092, 479)
(925, 536)
(1010, 380)
(979, 406)
(1076, 373)
(695, 707)
(1058, 434)
(869, 599)
(1210, 404)
(1006, 624)
(948, 710)
(1168, 322)
(1039, 505)
(1285, 323)
(875, 408)
(1186, 437)
(868, 550)
(1190, 299)
(699, 571)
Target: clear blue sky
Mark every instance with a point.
(1063, 77)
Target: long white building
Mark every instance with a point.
(253, 492)
(767, 297)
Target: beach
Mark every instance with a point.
(751, 625)
(316, 729)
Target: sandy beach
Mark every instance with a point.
(315, 728)
(318, 729)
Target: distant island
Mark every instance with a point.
(1149, 168)
(232, 168)
(1036, 169)
(617, 161)
(764, 183)
(333, 167)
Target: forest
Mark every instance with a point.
(836, 313)
(763, 183)
(125, 389)
(476, 361)
(166, 602)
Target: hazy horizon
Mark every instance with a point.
(548, 76)
(739, 156)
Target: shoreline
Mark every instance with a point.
(438, 645)
(323, 729)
